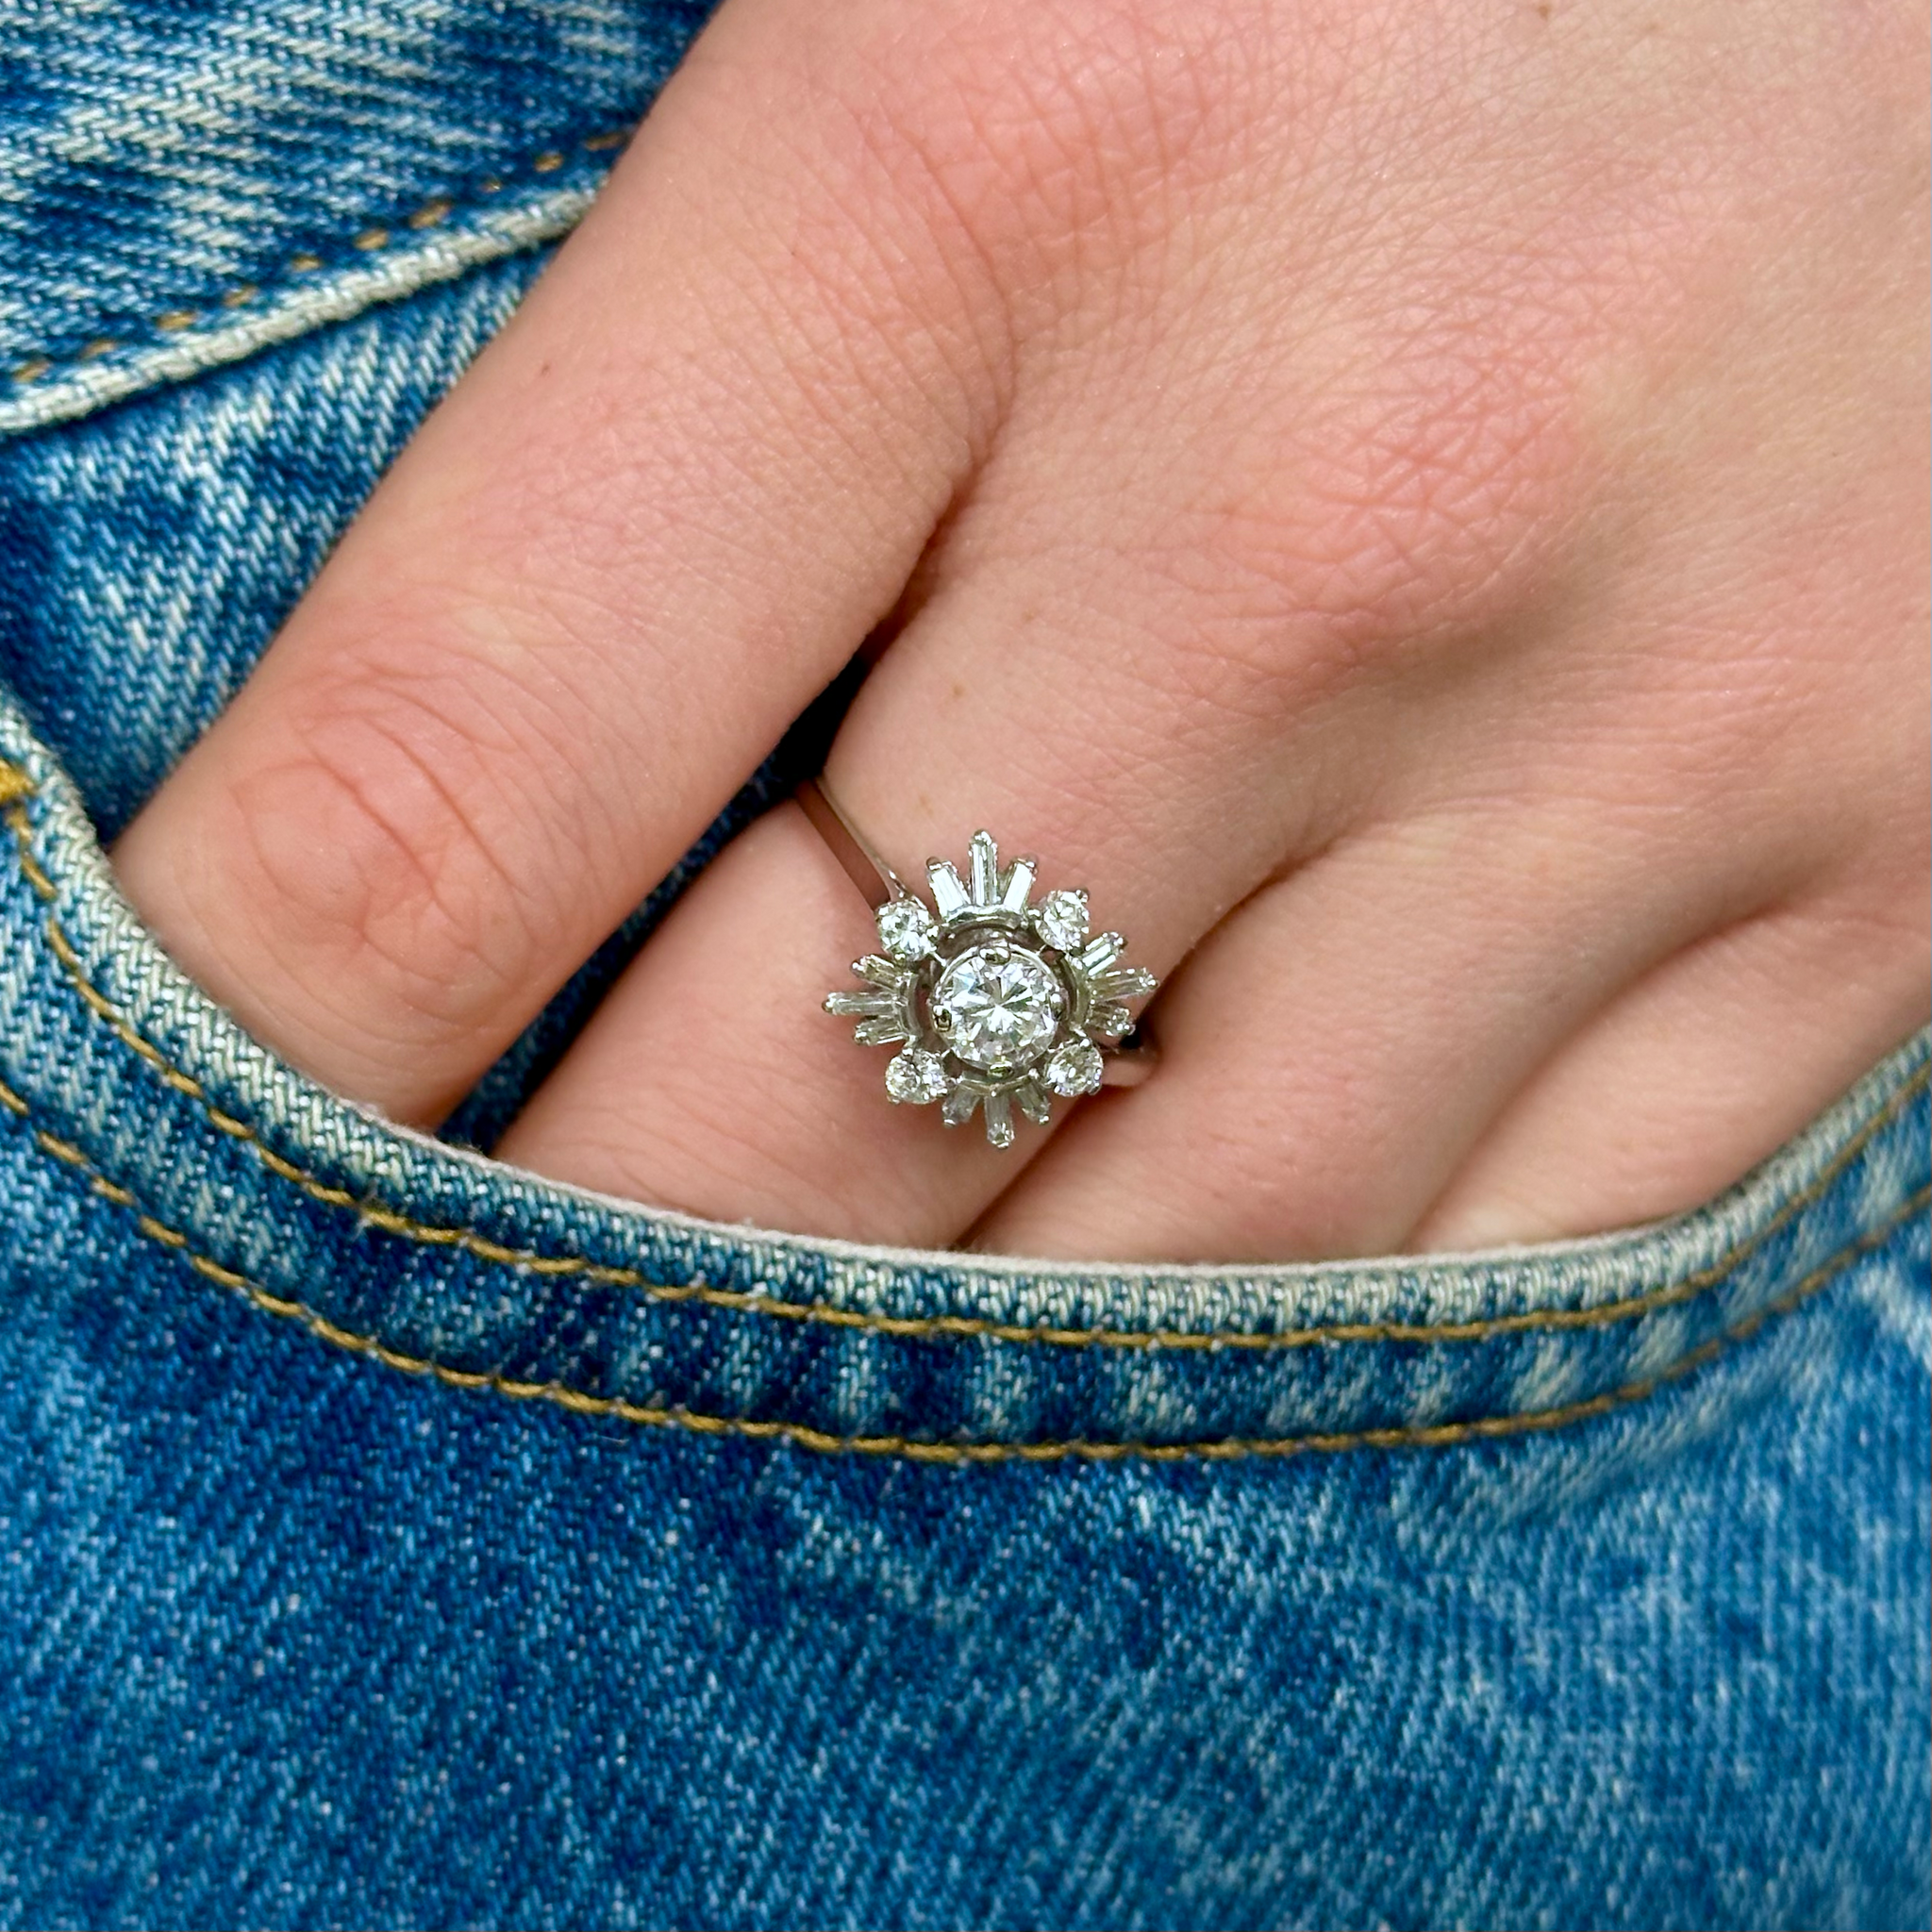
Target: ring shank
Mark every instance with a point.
(861, 863)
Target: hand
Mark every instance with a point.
(1421, 508)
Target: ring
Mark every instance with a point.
(994, 1002)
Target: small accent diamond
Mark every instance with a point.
(1060, 920)
(1074, 1068)
(915, 1078)
(906, 929)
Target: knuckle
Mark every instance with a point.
(1420, 495)
(1418, 507)
(1020, 127)
(372, 854)
(1371, 527)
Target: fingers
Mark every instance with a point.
(1694, 1075)
(653, 520)
(712, 1080)
(1208, 478)
(1146, 675)
(1471, 1030)
(1166, 733)
(1333, 1052)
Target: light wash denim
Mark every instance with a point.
(394, 1540)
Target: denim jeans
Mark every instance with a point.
(395, 1540)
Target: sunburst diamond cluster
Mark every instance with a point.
(993, 1002)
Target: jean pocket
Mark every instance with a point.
(377, 1240)
(397, 1539)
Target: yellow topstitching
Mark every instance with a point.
(367, 240)
(16, 786)
(958, 1453)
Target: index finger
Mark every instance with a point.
(651, 522)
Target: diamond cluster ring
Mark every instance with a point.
(993, 1001)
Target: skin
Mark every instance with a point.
(1420, 510)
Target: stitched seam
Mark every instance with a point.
(16, 786)
(369, 239)
(909, 1449)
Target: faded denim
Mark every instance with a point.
(393, 1539)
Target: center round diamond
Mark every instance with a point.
(998, 1007)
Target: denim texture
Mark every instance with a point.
(391, 1538)
(186, 180)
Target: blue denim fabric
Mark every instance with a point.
(391, 1539)
(188, 179)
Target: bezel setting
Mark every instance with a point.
(995, 1003)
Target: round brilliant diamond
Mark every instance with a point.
(1075, 1068)
(915, 1078)
(998, 1006)
(1060, 920)
(906, 929)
